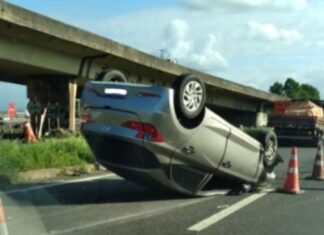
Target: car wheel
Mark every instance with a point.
(111, 75)
(189, 97)
(270, 149)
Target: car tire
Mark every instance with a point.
(270, 145)
(111, 75)
(189, 99)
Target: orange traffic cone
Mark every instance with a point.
(291, 184)
(318, 169)
(3, 225)
(29, 133)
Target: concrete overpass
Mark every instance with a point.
(53, 59)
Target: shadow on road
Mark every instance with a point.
(93, 192)
(312, 189)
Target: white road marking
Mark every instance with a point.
(133, 216)
(222, 206)
(228, 211)
(32, 188)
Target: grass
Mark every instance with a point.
(16, 156)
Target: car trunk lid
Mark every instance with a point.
(124, 106)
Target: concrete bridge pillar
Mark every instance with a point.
(261, 116)
(261, 119)
(72, 98)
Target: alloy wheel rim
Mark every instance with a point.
(192, 96)
(271, 150)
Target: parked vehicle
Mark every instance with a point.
(155, 135)
(300, 122)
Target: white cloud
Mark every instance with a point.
(188, 50)
(177, 30)
(247, 4)
(209, 59)
(271, 32)
(176, 39)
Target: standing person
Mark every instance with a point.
(34, 108)
(53, 115)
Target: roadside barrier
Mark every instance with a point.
(29, 133)
(291, 184)
(3, 225)
(318, 169)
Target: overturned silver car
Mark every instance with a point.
(155, 135)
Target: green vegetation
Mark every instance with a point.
(16, 156)
(294, 90)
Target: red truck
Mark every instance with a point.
(297, 122)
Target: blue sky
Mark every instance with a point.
(93, 8)
(253, 42)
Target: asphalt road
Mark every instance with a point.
(107, 204)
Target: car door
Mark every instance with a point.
(201, 154)
(242, 158)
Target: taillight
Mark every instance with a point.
(145, 131)
(86, 118)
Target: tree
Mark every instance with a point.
(277, 88)
(294, 90)
(311, 92)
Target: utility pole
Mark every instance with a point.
(162, 53)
